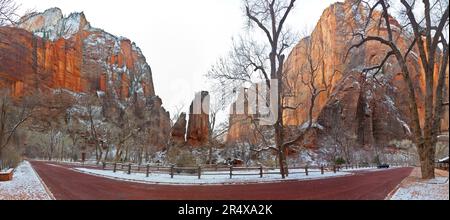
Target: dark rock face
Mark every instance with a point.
(178, 134)
(198, 126)
(159, 132)
(368, 116)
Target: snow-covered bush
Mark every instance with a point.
(181, 157)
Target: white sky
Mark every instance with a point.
(181, 39)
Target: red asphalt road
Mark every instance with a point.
(67, 184)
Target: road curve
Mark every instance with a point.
(67, 184)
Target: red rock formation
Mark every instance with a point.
(159, 132)
(49, 51)
(373, 112)
(241, 122)
(198, 126)
(178, 134)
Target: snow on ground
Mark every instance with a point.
(413, 188)
(367, 169)
(24, 186)
(217, 178)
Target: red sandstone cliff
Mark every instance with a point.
(373, 111)
(198, 125)
(49, 51)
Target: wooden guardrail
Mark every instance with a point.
(231, 171)
(442, 166)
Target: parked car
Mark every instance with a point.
(383, 166)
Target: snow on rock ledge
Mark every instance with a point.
(51, 24)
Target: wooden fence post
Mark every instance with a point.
(129, 168)
(334, 168)
(261, 171)
(148, 169)
(321, 170)
(306, 170)
(231, 172)
(115, 167)
(199, 172)
(171, 171)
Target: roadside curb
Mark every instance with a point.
(392, 193)
(50, 194)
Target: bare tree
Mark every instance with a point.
(428, 37)
(13, 115)
(50, 117)
(313, 76)
(216, 130)
(266, 60)
(8, 9)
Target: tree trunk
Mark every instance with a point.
(118, 154)
(127, 153)
(210, 154)
(50, 155)
(106, 154)
(100, 157)
(96, 152)
(141, 153)
(426, 154)
(62, 152)
(281, 151)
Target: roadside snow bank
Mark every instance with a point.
(413, 188)
(209, 177)
(24, 186)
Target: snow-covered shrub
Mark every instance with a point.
(181, 157)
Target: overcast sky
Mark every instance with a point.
(181, 39)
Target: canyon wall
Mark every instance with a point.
(371, 109)
(48, 51)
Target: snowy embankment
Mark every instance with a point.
(25, 185)
(413, 188)
(210, 177)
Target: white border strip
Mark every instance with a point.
(50, 194)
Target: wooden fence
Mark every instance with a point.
(220, 170)
(442, 166)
